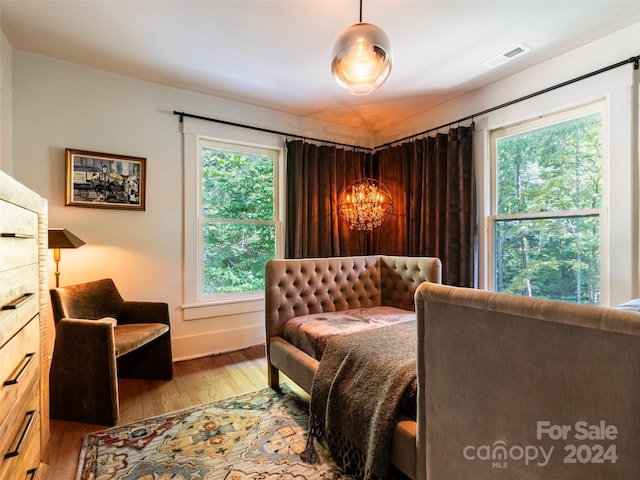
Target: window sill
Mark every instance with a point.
(223, 307)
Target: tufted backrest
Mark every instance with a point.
(400, 276)
(296, 287)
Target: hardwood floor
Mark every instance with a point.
(195, 382)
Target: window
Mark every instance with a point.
(238, 218)
(547, 206)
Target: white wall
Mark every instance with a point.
(58, 105)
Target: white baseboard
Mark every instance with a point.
(211, 343)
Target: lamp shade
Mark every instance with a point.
(361, 58)
(63, 238)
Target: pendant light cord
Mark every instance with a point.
(360, 11)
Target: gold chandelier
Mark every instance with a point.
(365, 204)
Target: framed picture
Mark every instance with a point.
(103, 180)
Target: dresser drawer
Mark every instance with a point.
(18, 300)
(19, 362)
(18, 236)
(25, 465)
(20, 434)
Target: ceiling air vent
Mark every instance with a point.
(506, 56)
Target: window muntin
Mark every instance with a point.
(548, 204)
(238, 217)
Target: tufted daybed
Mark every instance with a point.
(382, 286)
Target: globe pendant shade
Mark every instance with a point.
(361, 58)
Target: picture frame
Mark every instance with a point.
(104, 180)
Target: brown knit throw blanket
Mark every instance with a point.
(355, 396)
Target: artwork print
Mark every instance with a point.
(102, 180)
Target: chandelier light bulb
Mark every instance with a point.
(361, 58)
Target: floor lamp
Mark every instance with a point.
(61, 238)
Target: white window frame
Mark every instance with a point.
(195, 304)
(202, 220)
(602, 212)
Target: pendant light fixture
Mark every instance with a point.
(361, 57)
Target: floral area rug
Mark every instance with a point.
(259, 435)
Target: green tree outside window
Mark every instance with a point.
(238, 219)
(547, 225)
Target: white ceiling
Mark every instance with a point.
(275, 53)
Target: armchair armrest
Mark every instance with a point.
(83, 372)
(84, 338)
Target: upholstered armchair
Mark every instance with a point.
(100, 336)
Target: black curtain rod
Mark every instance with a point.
(636, 64)
(209, 119)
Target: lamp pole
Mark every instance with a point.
(56, 258)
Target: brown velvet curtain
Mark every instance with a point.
(316, 176)
(431, 180)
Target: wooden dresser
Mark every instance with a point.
(24, 399)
